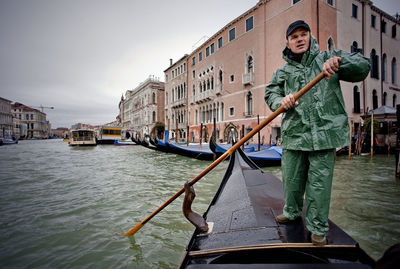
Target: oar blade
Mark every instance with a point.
(134, 229)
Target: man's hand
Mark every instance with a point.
(331, 66)
(288, 101)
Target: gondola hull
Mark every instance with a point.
(244, 232)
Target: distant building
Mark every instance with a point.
(6, 123)
(143, 107)
(60, 132)
(29, 122)
(78, 126)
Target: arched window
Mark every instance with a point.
(250, 64)
(154, 116)
(374, 99)
(354, 47)
(356, 99)
(374, 64)
(384, 67)
(331, 44)
(208, 84)
(384, 98)
(249, 103)
(394, 100)
(212, 83)
(154, 98)
(220, 77)
(394, 70)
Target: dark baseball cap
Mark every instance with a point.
(296, 25)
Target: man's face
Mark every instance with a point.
(298, 41)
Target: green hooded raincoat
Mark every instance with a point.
(312, 129)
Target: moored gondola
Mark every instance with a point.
(267, 156)
(242, 231)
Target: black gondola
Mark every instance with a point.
(243, 232)
(267, 156)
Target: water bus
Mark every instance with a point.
(82, 137)
(107, 134)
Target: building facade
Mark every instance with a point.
(29, 122)
(365, 28)
(143, 107)
(6, 122)
(176, 98)
(226, 75)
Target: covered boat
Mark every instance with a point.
(242, 231)
(82, 137)
(267, 156)
(196, 151)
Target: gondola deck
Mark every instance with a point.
(245, 231)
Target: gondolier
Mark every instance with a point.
(313, 126)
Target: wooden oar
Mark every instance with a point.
(226, 154)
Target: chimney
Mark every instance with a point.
(170, 62)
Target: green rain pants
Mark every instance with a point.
(309, 173)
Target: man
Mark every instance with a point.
(313, 126)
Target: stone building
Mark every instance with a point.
(227, 74)
(6, 123)
(176, 102)
(30, 122)
(143, 107)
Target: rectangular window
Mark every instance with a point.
(193, 60)
(231, 111)
(383, 26)
(394, 31)
(373, 21)
(249, 24)
(220, 42)
(354, 11)
(212, 48)
(330, 2)
(193, 74)
(200, 56)
(207, 51)
(232, 34)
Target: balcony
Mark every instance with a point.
(248, 78)
(204, 96)
(179, 103)
(248, 114)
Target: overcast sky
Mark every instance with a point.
(80, 56)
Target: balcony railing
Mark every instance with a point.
(248, 78)
(203, 96)
(178, 103)
(248, 114)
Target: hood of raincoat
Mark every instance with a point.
(320, 120)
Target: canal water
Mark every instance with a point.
(64, 207)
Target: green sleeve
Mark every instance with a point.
(354, 67)
(274, 91)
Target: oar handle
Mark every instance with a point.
(226, 154)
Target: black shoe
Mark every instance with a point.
(282, 219)
(318, 240)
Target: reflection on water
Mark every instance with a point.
(69, 207)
